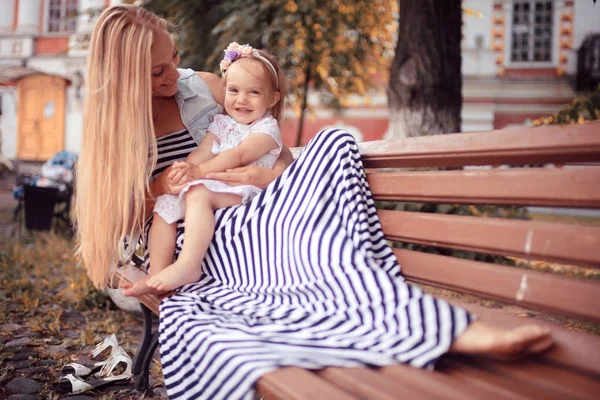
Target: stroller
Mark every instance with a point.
(47, 196)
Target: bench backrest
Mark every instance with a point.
(572, 186)
(559, 167)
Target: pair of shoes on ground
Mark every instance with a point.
(106, 372)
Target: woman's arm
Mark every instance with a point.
(163, 184)
(152, 192)
(255, 175)
(215, 84)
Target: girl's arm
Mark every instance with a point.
(255, 175)
(203, 152)
(249, 150)
(182, 170)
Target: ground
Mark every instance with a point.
(51, 315)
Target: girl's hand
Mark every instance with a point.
(164, 185)
(248, 175)
(180, 173)
(189, 170)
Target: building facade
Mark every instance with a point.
(42, 63)
(519, 63)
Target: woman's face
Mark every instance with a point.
(165, 60)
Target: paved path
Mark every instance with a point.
(7, 183)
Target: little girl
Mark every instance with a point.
(247, 135)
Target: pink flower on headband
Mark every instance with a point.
(225, 63)
(246, 50)
(235, 51)
(233, 46)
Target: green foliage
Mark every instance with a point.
(339, 46)
(582, 110)
(194, 21)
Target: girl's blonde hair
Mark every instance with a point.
(118, 149)
(277, 82)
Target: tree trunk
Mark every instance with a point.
(425, 88)
(307, 78)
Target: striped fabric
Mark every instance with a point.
(300, 276)
(173, 147)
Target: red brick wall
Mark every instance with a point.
(51, 45)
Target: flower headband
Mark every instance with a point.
(235, 51)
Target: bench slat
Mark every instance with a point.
(569, 384)
(523, 287)
(577, 351)
(523, 146)
(515, 389)
(563, 243)
(550, 187)
(365, 383)
(438, 384)
(294, 383)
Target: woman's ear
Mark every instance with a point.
(274, 99)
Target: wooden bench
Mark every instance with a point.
(572, 368)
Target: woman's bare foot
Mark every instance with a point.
(483, 339)
(174, 276)
(140, 288)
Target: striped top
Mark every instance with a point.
(172, 147)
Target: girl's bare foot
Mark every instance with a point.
(483, 339)
(140, 288)
(174, 276)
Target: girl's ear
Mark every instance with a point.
(274, 99)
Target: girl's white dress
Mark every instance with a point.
(230, 134)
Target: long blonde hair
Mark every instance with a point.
(118, 149)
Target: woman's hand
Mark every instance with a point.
(248, 175)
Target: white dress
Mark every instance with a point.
(230, 134)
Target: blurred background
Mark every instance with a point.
(379, 68)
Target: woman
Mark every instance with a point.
(300, 276)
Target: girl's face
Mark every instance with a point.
(248, 92)
(165, 60)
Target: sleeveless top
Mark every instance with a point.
(173, 147)
(198, 108)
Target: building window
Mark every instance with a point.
(62, 15)
(532, 31)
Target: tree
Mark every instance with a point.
(583, 110)
(194, 21)
(425, 87)
(331, 46)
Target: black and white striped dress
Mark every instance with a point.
(300, 276)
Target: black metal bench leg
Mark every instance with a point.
(143, 356)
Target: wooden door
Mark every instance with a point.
(41, 117)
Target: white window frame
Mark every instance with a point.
(63, 22)
(557, 7)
